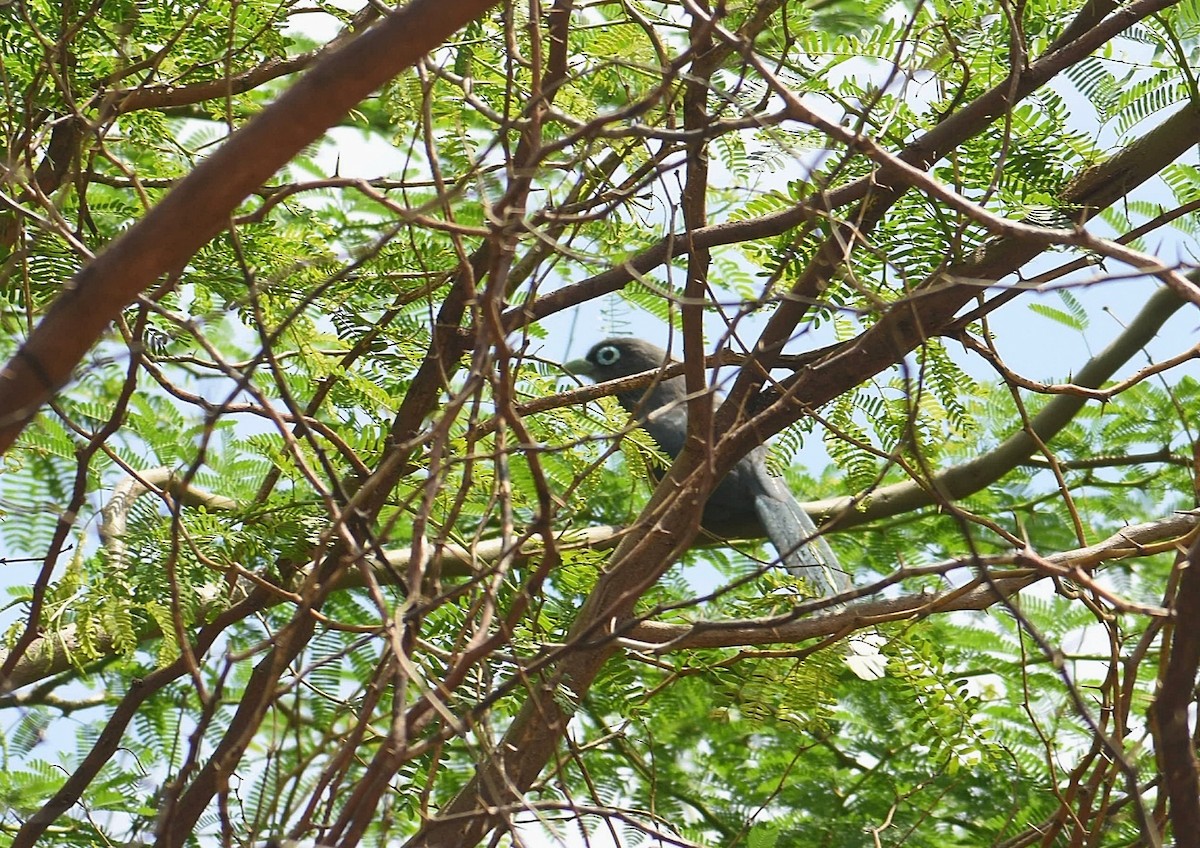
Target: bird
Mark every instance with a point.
(749, 501)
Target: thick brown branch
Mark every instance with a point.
(199, 206)
(62, 150)
(933, 306)
(662, 531)
(1169, 713)
(980, 472)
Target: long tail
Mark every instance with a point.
(804, 552)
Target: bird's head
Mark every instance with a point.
(614, 358)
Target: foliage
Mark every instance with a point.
(362, 575)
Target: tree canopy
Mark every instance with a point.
(309, 538)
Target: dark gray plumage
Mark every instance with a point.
(749, 501)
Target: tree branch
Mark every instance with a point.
(661, 532)
(1169, 712)
(198, 207)
(978, 473)
(1131, 542)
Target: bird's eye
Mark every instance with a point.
(607, 355)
